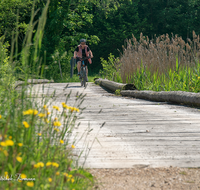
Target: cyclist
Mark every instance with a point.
(82, 51)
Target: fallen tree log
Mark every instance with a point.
(180, 97)
(187, 98)
(113, 86)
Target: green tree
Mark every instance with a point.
(10, 10)
(113, 24)
(178, 17)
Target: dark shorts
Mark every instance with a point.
(86, 61)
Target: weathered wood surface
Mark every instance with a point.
(137, 133)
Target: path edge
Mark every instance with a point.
(33, 81)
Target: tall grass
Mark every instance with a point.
(35, 147)
(163, 63)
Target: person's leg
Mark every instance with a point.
(79, 66)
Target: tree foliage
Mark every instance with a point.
(105, 24)
(12, 13)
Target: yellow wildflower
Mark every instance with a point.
(55, 119)
(66, 106)
(55, 129)
(48, 163)
(25, 124)
(45, 107)
(73, 109)
(199, 78)
(56, 107)
(39, 134)
(19, 159)
(48, 113)
(57, 123)
(5, 174)
(57, 173)
(73, 146)
(20, 144)
(70, 176)
(10, 137)
(23, 176)
(35, 112)
(55, 164)
(50, 179)
(76, 109)
(28, 112)
(72, 180)
(39, 165)
(46, 120)
(3, 143)
(30, 184)
(61, 141)
(65, 174)
(41, 115)
(63, 103)
(0, 116)
(9, 142)
(19, 180)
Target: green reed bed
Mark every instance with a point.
(164, 63)
(184, 79)
(160, 64)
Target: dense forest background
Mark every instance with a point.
(105, 24)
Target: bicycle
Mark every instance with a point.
(83, 75)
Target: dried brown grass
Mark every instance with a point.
(159, 54)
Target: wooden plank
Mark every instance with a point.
(136, 133)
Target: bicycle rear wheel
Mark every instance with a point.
(84, 77)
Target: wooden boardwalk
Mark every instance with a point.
(137, 133)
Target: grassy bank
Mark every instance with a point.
(35, 147)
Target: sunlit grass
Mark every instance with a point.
(33, 145)
(185, 79)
